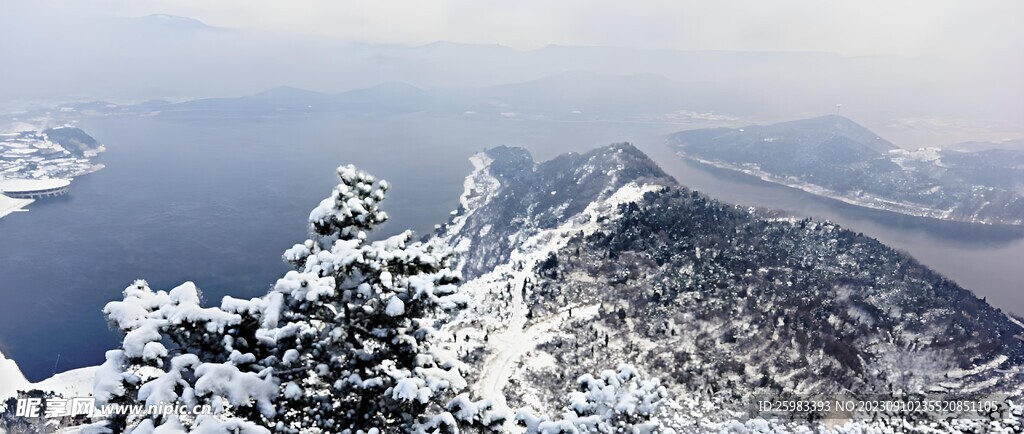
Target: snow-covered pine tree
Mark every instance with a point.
(177, 353)
(617, 402)
(356, 323)
(340, 345)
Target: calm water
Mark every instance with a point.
(217, 201)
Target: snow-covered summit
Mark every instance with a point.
(510, 197)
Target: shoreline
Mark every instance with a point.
(869, 202)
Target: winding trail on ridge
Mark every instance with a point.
(512, 344)
(507, 348)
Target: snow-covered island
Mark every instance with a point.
(55, 154)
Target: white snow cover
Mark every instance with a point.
(76, 382)
(410, 389)
(927, 155)
(478, 189)
(618, 401)
(511, 339)
(11, 378)
(143, 313)
(239, 388)
(30, 185)
(395, 307)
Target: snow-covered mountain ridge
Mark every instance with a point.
(716, 300)
(509, 198)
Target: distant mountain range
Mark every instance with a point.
(574, 95)
(167, 56)
(835, 157)
(1010, 144)
(389, 98)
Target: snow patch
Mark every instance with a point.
(395, 307)
(73, 383)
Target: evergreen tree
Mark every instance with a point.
(199, 368)
(363, 315)
(341, 344)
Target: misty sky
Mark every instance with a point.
(970, 52)
(967, 29)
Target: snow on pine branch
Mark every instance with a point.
(618, 402)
